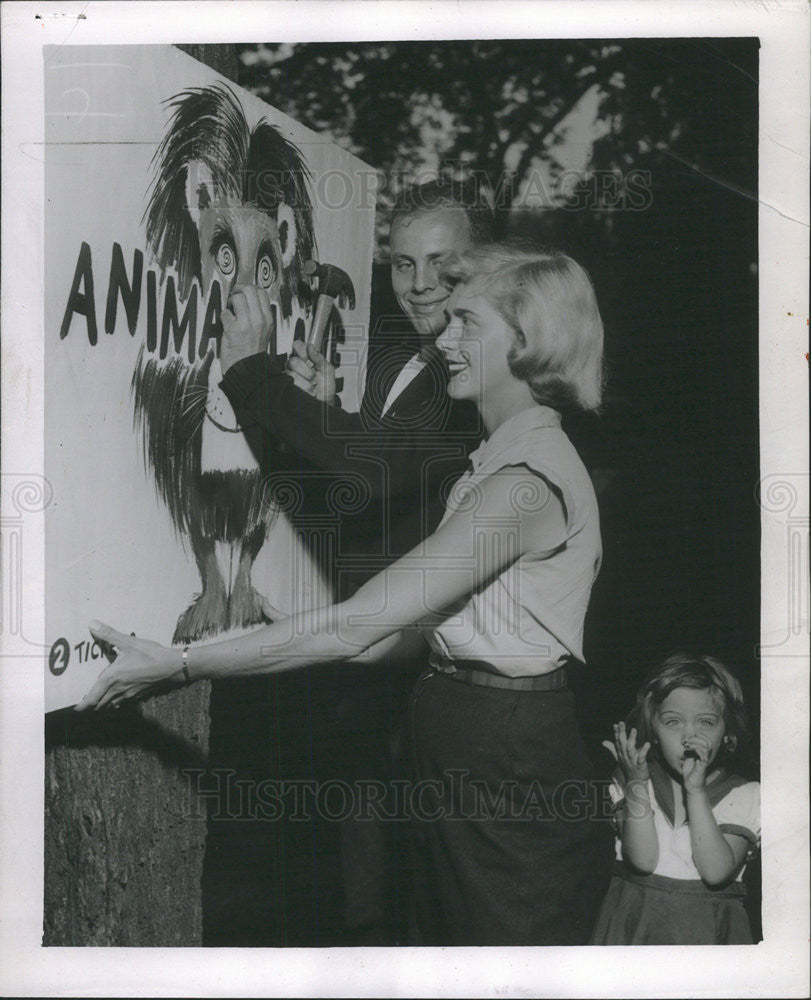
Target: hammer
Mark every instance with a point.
(333, 283)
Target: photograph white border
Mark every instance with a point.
(778, 966)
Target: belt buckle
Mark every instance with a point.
(446, 667)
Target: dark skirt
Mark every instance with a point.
(510, 849)
(654, 909)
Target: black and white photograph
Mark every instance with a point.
(405, 499)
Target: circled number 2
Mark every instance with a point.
(59, 657)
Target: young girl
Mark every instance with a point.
(686, 823)
(500, 588)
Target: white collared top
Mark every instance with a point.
(737, 812)
(529, 619)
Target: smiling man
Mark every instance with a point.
(428, 226)
(420, 244)
(409, 440)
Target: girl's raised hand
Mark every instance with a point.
(137, 668)
(694, 769)
(633, 760)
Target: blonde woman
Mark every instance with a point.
(500, 591)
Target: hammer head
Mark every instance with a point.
(332, 282)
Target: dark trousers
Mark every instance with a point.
(508, 846)
(284, 866)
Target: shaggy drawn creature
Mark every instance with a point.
(227, 206)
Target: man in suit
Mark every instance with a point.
(409, 440)
(398, 456)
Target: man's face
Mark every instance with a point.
(420, 245)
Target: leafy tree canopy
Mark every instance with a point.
(539, 118)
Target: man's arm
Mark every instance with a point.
(389, 458)
(262, 394)
(391, 461)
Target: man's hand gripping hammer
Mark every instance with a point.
(333, 284)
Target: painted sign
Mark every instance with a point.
(165, 186)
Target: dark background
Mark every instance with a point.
(675, 452)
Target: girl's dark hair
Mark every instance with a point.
(704, 673)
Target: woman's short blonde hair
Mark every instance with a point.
(548, 299)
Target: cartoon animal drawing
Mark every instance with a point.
(227, 205)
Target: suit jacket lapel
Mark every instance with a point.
(411, 398)
(381, 377)
(425, 391)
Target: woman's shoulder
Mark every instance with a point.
(548, 452)
(549, 442)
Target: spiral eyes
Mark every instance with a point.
(227, 254)
(265, 272)
(226, 260)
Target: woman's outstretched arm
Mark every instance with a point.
(507, 514)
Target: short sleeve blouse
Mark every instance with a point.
(738, 812)
(529, 619)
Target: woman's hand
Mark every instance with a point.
(633, 760)
(137, 667)
(694, 768)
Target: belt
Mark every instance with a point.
(482, 675)
(690, 887)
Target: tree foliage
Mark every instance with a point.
(506, 108)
